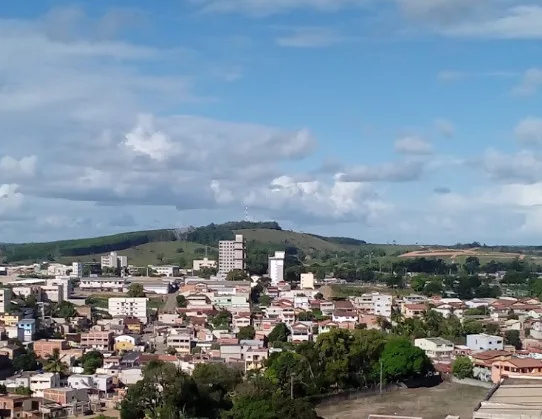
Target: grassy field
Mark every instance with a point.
(428, 403)
(147, 254)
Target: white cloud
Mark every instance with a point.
(529, 131)
(444, 127)
(310, 37)
(413, 146)
(530, 83)
(10, 199)
(405, 171)
(521, 167)
(13, 168)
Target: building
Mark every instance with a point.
(67, 285)
(199, 264)
(52, 293)
(77, 270)
(435, 347)
(382, 305)
(28, 328)
(165, 270)
(101, 340)
(42, 381)
(44, 348)
(5, 299)
(126, 342)
(231, 255)
(59, 269)
(307, 281)
(484, 342)
(181, 342)
(276, 267)
(129, 307)
(15, 406)
(100, 382)
(114, 261)
(103, 284)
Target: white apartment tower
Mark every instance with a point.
(5, 299)
(114, 261)
(231, 255)
(276, 267)
(129, 307)
(77, 270)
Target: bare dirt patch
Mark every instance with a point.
(428, 403)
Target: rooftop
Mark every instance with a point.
(513, 398)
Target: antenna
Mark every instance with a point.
(246, 212)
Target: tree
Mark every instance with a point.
(512, 337)
(171, 350)
(222, 320)
(54, 363)
(65, 310)
(160, 257)
(136, 290)
(237, 275)
(279, 333)
(181, 301)
(23, 391)
(91, 361)
(462, 367)
(246, 332)
(401, 360)
(3, 389)
(26, 362)
(264, 300)
(218, 380)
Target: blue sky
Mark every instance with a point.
(406, 120)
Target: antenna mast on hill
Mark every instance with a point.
(246, 213)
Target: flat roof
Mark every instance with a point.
(27, 281)
(518, 397)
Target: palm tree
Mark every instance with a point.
(54, 363)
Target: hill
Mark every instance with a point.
(173, 246)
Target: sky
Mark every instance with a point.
(414, 121)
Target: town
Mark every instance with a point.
(77, 342)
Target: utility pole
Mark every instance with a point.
(292, 386)
(380, 378)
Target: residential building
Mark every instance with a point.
(520, 368)
(300, 332)
(28, 328)
(126, 342)
(11, 320)
(165, 270)
(276, 267)
(52, 293)
(484, 342)
(199, 264)
(307, 281)
(114, 261)
(5, 299)
(231, 255)
(413, 310)
(15, 406)
(66, 395)
(382, 305)
(181, 342)
(67, 285)
(129, 307)
(103, 284)
(101, 340)
(77, 270)
(435, 347)
(44, 348)
(27, 291)
(41, 381)
(100, 382)
(55, 269)
(255, 358)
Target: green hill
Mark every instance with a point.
(170, 246)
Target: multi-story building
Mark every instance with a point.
(100, 382)
(129, 307)
(181, 342)
(231, 255)
(382, 305)
(114, 261)
(67, 285)
(55, 269)
(103, 284)
(43, 381)
(44, 348)
(276, 267)
(199, 264)
(77, 270)
(165, 270)
(28, 327)
(307, 281)
(484, 342)
(52, 293)
(101, 340)
(5, 299)
(435, 347)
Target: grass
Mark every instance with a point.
(428, 403)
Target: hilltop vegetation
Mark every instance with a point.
(173, 246)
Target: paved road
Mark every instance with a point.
(171, 303)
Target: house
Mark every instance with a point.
(65, 395)
(181, 342)
(413, 310)
(101, 340)
(44, 348)
(15, 406)
(133, 325)
(436, 348)
(344, 316)
(516, 368)
(255, 358)
(40, 382)
(484, 342)
(126, 342)
(28, 327)
(239, 321)
(11, 351)
(99, 382)
(300, 332)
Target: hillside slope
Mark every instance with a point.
(169, 246)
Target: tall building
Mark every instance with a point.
(114, 261)
(231, 255)
(276, 267)
(129, 307)
(77, 270)
(307, 281)
(5, 299)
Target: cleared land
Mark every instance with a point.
(460, 255)
(428, 403)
